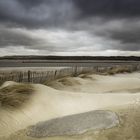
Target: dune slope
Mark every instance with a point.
(47, 103)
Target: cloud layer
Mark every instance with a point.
(70, 27)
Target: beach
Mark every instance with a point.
(69, 96)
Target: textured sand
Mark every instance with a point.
(99, 83)
(48, 103)
(127, 130)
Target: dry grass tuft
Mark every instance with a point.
(64, 82)
(69, 81)
(86, 76)
(15, 95)
(117, 70)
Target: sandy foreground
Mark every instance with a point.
(74, 95)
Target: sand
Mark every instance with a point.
(49, 103)
(99, 83)
(127, 130)
(74, 124)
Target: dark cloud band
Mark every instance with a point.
(109, 8)
(36, 13)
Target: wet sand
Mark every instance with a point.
(74, 124)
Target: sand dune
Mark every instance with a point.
(99, 83)
(47, 103)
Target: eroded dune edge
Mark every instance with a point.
(69, 96)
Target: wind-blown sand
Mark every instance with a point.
(48, 103)
(99, 83)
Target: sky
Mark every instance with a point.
(70, 27)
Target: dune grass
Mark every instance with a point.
(86, 76)
(69, 81)
(117, 70)
(15, 95)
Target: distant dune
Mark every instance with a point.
(87, 83)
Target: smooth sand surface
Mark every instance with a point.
(48, 103)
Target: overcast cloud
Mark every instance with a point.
(69, 27)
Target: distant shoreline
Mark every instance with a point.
(125, 58)
(65, 63)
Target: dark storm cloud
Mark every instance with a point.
(126, 36)
(30, 13)
(30, 3)
(16, 38)
(109, 8)
(68, 25)
(125, 32)
(55, 12)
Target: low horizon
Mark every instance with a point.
(68, 56)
